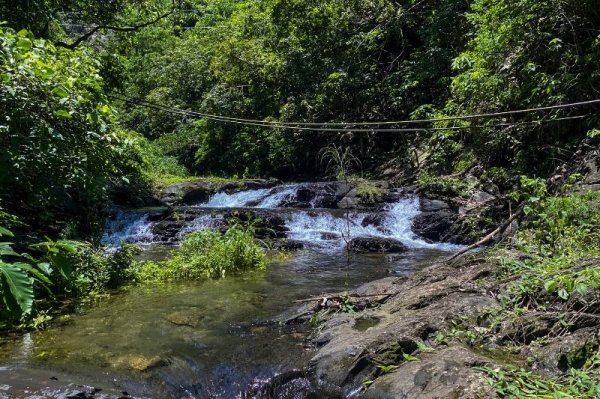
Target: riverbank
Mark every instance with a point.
(518, 320)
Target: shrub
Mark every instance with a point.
(206, 254)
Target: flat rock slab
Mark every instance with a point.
(446, 373)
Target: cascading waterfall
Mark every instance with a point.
(126, 226)
(320, 229)
(262, 198)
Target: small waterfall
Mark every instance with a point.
(322, 229)
(204, 222)
(326, 230)
(123, 226)
(262, 198)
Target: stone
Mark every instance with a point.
(482, 197)
(432, 205)
(376, 245)
(434, 226)
(447, 373)
(568, 351)
(374, 219)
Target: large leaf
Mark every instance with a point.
(17, 289)
(7, 250)
(5, 232)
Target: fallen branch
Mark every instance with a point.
(341, 297)
(487, 238)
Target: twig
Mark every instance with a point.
(337, 296)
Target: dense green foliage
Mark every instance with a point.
(60, 150)
(53, 270)
(206, 254)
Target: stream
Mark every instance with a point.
(209, 339)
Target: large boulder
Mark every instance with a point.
(376, 245)
(434, 226)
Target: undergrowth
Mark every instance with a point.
(551, 265)
(206, 254)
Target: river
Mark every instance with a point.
(210, 339)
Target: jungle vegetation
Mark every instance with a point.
(95, 102)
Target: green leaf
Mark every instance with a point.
(549, 286)
(63, 113)
(7, 250)
(60, 92)
(62, 264)
(25, 44)
(37, 274)
(6, 232)
(410, 358)
(562, 293)
(68, 245)
(17, 289)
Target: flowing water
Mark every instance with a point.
(210, 339)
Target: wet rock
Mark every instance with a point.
(189, 318)
(286, 245)
(434, 226)
(319, 195)
(167, 230)
(432, 205)
(293, 384)
(374, 219)
(329, 236)
(376, 245)
(201, 189)
(141, 362)
(264, 224)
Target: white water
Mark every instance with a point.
(127, 227)
(324, 230)
(263, 198)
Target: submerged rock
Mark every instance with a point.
(376, 245)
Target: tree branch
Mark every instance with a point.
(133, 28)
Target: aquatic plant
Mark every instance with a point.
(206, 254)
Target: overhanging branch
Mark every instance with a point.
(90, 33)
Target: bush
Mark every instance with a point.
(206, 254)
(95, 270)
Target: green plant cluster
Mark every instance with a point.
(444, 185)
(561, 241)
(516, 383)
(53, 270)
(206, 254)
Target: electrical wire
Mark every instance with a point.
(402, 122)
(216, 118)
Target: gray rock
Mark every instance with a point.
(434, 226)
(447, 373)
(565, 352)
(432, 205)
(376, 245)
(482, 197)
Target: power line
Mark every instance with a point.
(250, 122)
(382, 123)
